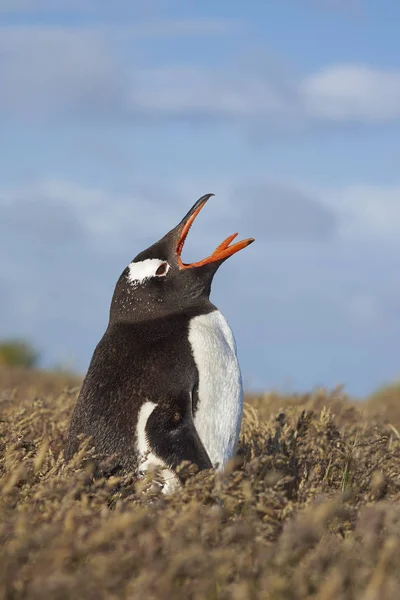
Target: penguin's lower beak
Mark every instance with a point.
(223, 251)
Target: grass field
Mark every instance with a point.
(311, 509)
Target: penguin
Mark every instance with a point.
(164, 384)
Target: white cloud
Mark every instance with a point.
(94, 72)
(51, 210)
(50, 73)
(223, 94)
(353, 93)
(343, 93)
(62, 247)
(367, 211)
(280, 213)
(338, 94)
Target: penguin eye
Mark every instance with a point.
(162, 269)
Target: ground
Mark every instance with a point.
(310, 509)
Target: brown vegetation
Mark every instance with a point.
(310, 510)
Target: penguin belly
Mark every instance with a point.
(219, 410)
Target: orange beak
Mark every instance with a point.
(223, 251)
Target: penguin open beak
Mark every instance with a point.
(223, 251)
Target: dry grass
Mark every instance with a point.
(310, 510)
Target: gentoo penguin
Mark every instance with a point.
(164, 383)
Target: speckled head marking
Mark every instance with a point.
(140, 272)
(157, 282)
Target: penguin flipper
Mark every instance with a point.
(172, 436)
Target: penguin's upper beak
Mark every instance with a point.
(223, 251)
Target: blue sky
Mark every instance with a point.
(114, 120)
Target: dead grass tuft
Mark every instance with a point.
(309, 509)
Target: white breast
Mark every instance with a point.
(219, 412)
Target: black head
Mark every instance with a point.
(157, 282)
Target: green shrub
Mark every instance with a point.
(18, 353)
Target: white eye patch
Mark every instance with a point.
(145, 269)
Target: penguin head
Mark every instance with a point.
(157, 282)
